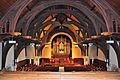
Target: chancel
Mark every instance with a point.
(70, 37)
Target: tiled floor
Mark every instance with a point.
(59, 76)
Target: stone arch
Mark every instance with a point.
(61, 33)
(113, 57)
(117, 51)
(14, 13)
(9, 63)
(45, 37)
(107, 12)
(5, 52)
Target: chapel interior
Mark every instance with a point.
(60, 35)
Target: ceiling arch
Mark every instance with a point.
(61, 33)
(39, 26)
(15, 11)
(115, 4)
(81, 7)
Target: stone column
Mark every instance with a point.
(113, 61)
(89, 52)
(10, 61)
(30, 61)
(92, 53)
(0, 29)
(118, 43)
(86, 55)
(0, 55)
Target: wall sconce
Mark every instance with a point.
(37, 44)
(12, 42)
(90, 44)
(84, 44)
(110, 41)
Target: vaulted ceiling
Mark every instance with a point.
(115, 5)
(5, 5)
